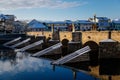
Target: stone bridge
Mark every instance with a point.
(87, 38)
(84, 36)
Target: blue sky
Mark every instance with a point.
(60, 9)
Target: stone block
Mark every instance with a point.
(76, 36)
(109, 50)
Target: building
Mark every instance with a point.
(115, 24)
(83, 25)
(60, 25)
(19, 27)
(35, 25)
(102, 23)
(6, 23)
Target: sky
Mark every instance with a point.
(59, 10)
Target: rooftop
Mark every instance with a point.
(35, 24)
(116, 20)
(83, 21)
(102, 18)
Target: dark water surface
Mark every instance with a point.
(30, 68)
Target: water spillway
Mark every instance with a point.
(72, 55)
(22, 42)
(29, 46)
(9, 42)
(51, 48)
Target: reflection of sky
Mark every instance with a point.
(29, 68)
(26, 64)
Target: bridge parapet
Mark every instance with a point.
(38, 33)
(65, 35)
(95, 36)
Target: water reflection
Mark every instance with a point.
(29, 68)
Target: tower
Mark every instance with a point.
(94, 26)
(94, 17)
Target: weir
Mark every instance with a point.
(72, 56)
(45, 51)
(9, 42)
(24, 41)
(29, 46)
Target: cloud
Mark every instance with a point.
(19, 4)
(19, 65)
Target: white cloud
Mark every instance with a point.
(18, 4)
(26, 64)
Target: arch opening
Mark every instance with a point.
(64, 47)
(93, 54)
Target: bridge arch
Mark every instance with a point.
(64, 47)
(65, 42)
(93, 54)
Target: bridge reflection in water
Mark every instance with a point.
(24, 67)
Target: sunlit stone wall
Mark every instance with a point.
(96, 36)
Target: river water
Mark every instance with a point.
(24, 67)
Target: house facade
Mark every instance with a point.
(115, 24)
(60, 25)
(19, 26)
(101, 23)
(6, 23)
(83, 25)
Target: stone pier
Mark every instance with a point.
(109, 57)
